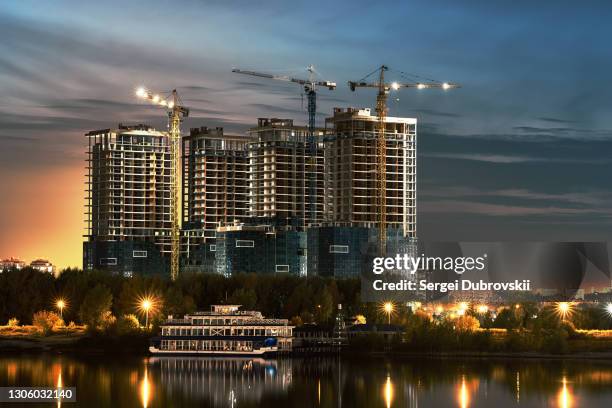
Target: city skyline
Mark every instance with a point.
(523, 149)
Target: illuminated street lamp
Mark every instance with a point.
(146, 305)
(388, 308)
(60, 304)
(609, 309)
(482, 309)
(564, 309)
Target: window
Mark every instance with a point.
(338, 249)
(282, 268)
(213, 248)
(139, 254)
(245, 243)
(108, 261)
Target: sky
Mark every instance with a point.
(523, 151)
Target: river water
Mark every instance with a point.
(313, 382)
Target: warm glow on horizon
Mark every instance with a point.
(53, 206)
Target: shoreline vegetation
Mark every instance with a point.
(94, 312)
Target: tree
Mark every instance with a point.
(506, 319)
(44, 321)
(467, 324)
(97, 301)
(245, 297)
(128, 324)
(177, 303)
(324, 306)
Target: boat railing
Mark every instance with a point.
(250, 322)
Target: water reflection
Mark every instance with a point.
(565, 399)
(314, 381)
(464, 397)
(388, 391)
(220, 380)
(145, 388)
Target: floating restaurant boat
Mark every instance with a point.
(224, 331)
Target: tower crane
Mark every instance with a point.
(176, 112)
(381, 146)
(310, 87)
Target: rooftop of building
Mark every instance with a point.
(40, 261)
(122, 128)
(351, 113)
(215, 133)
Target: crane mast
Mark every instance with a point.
(381, 144)
(310, 88)
(176, 113)
(381, 155)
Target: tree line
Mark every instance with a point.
(92, 296)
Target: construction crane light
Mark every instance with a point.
(155, 98)
(420, 86)
(395, 85)
(170, 104)
(445, 85)
(141, 92)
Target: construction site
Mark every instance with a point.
(282, 198)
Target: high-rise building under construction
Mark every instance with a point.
(128, 200)
(349, 237)
(279, 169)
(215, 192)
(351, 159)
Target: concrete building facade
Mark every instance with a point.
(264, 246)
(129, 187)
(215, 184)
(350, 171)
(279, 169)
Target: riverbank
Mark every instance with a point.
(75, 343)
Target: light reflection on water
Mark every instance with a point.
(313, 382)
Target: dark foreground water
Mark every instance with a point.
(313, 382)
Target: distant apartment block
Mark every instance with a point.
(11, 263)
(42, 265)
(129, 185)
(279, 169)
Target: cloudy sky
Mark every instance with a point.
(522, 152)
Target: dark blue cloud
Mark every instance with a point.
(526, 136)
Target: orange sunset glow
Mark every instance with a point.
(44, 216)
